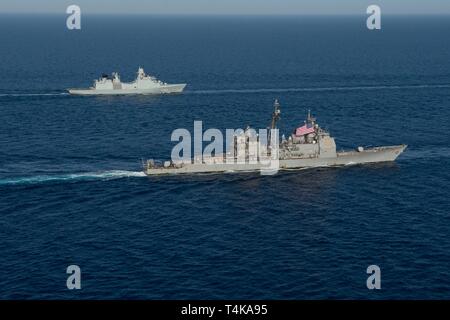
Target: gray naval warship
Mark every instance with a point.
(308, 146)
(143, 84)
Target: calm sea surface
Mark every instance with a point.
(71, 190)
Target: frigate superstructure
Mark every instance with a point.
(143, 84)
(308, 146)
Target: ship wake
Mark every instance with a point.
(260, 90)
(319, 89)
(41, 94)
(87, 176)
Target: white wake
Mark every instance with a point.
(318, 89)
(33, 94)
(102, 175)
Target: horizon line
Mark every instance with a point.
(224, 14)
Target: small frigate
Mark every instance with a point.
(308, 146)
(143, 84)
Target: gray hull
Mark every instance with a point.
(373, 155)
(170, 88)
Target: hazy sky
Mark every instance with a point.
(228, 6)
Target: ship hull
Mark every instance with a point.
(166, 89)
(373, 155)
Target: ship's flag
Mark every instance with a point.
(305, 129)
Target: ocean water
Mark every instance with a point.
(72, 191)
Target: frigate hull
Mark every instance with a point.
(167, 89)
(143, 84)
(373, 155)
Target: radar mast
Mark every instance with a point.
(276, 114)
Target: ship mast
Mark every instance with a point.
(276, 114)
(275, 117)
(310, 118)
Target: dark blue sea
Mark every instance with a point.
(72, 191)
